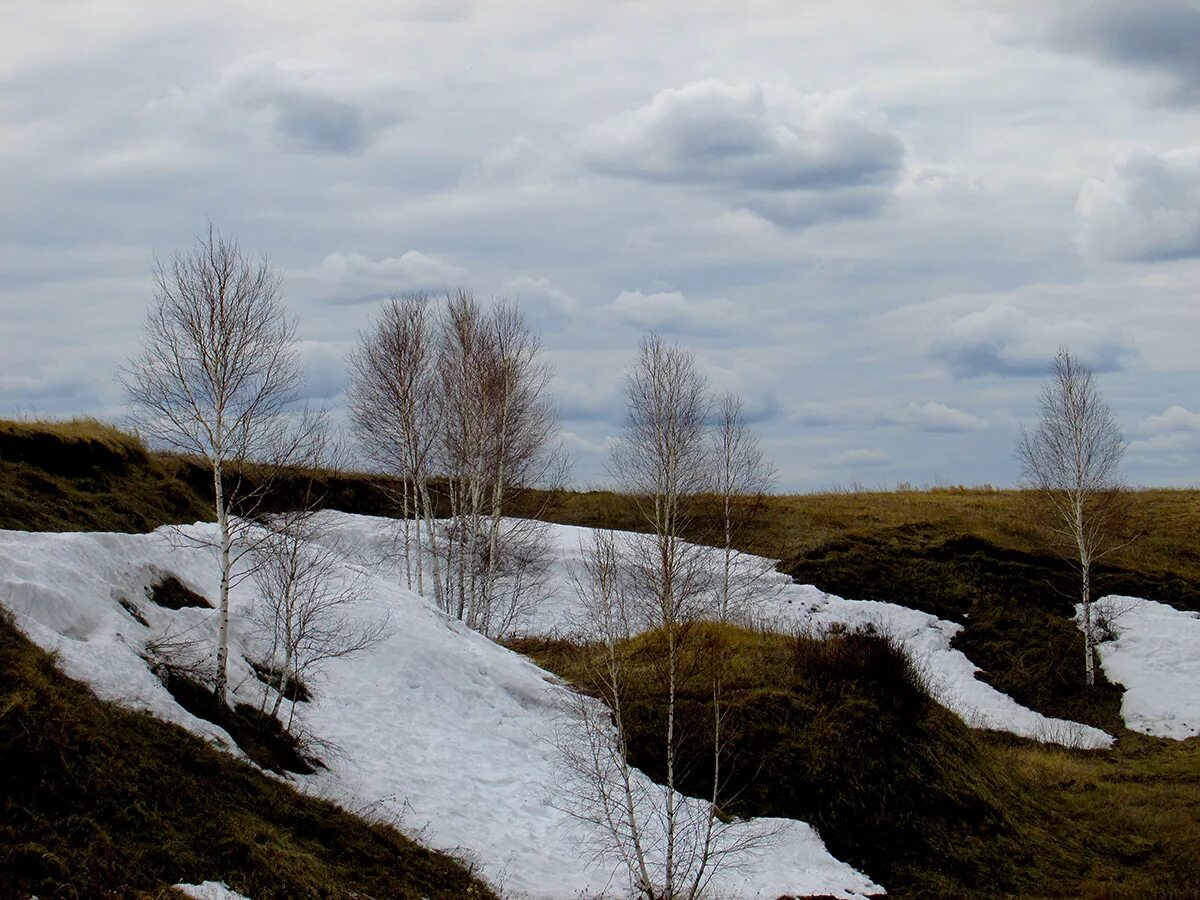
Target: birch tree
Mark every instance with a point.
(457, 394)
(394, 410)
(214, 377)
(522, 452)
(306, 593)
(1070, 459)
(741, 476)
(663, 463)
(667, 846)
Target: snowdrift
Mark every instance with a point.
(1153, 652)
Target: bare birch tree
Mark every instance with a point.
(522, 452)
(214, 378)
(394, 408)
(741, 476)
(668, 846)
(305, 595)
(458, 394)
(663, 463)
(1070, 460)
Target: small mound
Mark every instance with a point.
(838, 730)
(171, 593)
(260, 736)
(272, 676)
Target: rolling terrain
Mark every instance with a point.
(933, 809)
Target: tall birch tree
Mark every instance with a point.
(741, 476)
(457, 394)
(214, 377)
(394, 410)
(663, 463)
(1071, 460)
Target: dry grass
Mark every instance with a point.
(1163, 523)
(79, 429)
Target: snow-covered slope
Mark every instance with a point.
(437, 725)
(1155, 656)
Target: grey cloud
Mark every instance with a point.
(322, 124)
(1173, 420)
(548, 307)
(311, 113)
(820, 415)
(1157, 35)
(591, 401)
(1147, 207)
(862, 458)
(929, 416)
(324, 368)
(793, 160)
(933, 417)
(24, 389)
(352, 278)
(673, 313)
(1002, 339)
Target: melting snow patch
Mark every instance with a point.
(1154, 653)
(210, 890)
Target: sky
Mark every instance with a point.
(876, 221)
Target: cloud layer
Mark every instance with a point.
(794, 159)
(1156, 35)
(878, 235)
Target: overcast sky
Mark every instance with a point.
(875, 220)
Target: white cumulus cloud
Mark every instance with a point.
(793, 159)
(355, 278)
(1147, 207)
(1173, 419)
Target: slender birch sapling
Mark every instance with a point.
(1070, 460)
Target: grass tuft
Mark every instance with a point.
(171, 593)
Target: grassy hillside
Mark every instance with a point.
(84, 475)
(841, 732)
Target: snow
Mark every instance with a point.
(1155, 656)
(437, 728)
(210, 890)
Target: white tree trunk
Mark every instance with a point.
(223, 606)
